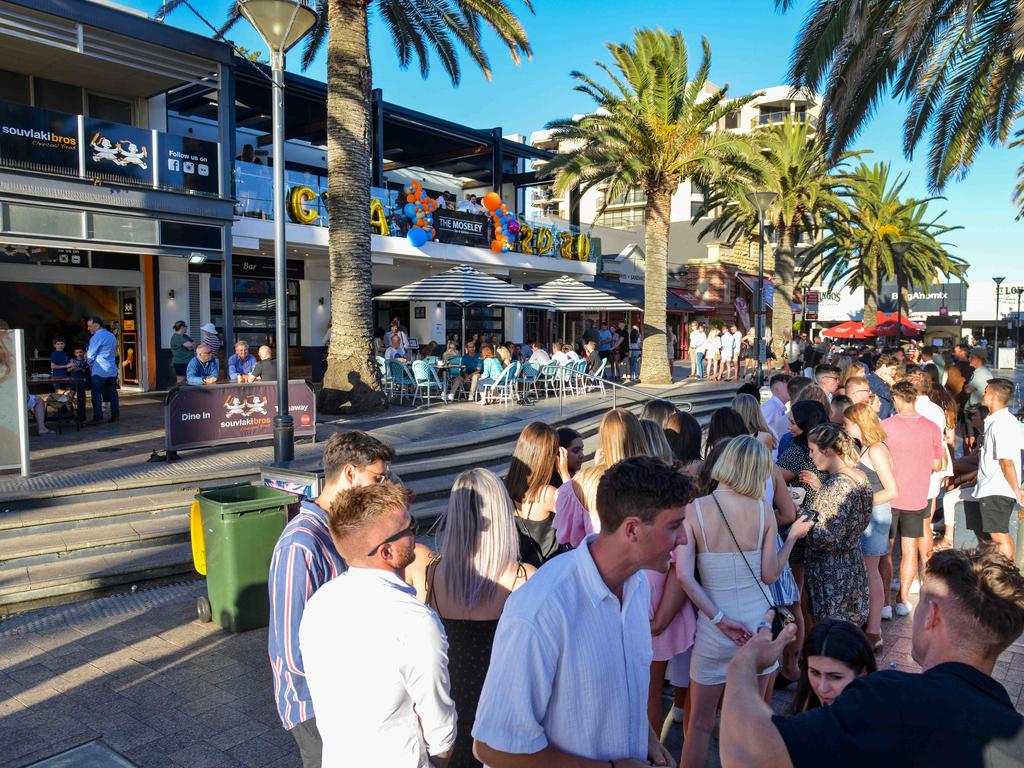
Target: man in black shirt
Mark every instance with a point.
(954, 714)
(266, 368)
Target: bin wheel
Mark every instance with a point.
(203, 610)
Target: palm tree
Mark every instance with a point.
(859, 250)
(417, 28)
(653, 128)
(957, 64)
(790, 160)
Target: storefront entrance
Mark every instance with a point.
(255, 310)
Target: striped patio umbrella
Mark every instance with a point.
(464, 285)
(570, 295)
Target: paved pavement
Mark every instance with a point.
(140, 674)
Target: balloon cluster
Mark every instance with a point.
(419, 209)
(506, 228)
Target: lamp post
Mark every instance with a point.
(995, 336)
(1017, 290)
(761, 201)
(900, 249)
(281, 24)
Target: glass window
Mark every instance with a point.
(14, 86)
(255, 310)
(626, 218)
(632, 196)
(122, 229)
(59, 96)
(107, 108)
(31, 219)
(732, 120)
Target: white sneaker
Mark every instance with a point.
(887, 613)
(915, 587)
(903, 609)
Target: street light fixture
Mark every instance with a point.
(900, 249)
(995, 336)
(761, 201)
(1017, 290)
(281, 24)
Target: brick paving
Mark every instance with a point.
(139, 673)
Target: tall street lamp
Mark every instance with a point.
(281, 24)
(900, 249)
(761, 201)
(995, 340)
(1017, 290)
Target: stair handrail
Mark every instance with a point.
(683, 405)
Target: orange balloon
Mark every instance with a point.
(491, 201)
(496, 246)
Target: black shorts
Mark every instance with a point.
(909, 522)
(180, 369)
(995, 513)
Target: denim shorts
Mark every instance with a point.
(874, 542)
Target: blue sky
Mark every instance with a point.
(750, 46)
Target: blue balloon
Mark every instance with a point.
(410, 210)
(418, 236)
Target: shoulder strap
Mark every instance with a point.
(700, 520)
(760, 522)
(740, 549)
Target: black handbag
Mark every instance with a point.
(781, 616)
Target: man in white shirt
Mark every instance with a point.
(570, 668)
(540, 355)
(698, 348)
(737, 343)
(376, 658)
(395, 351)
(999, 469)
(728, 342)
(775, 410)
(561, 355)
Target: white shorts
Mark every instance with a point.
(678, 670)
(32, 399)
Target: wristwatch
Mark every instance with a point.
(718, 618)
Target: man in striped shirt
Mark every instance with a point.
(305, 559)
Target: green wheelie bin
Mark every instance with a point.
(240, 526)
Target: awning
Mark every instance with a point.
(696, 304)
(570, 295)
(633, 293)
(750, 281)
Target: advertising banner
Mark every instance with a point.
(129, 337)
(217, 414)
(118, 152)
(13, 402)
(460, 228)
(38, 139)
(952, 296)
(187, 163)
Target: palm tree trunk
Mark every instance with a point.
(352, 379)
(872, 287)
(785, 268)
(654, 367)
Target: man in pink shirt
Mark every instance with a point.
(916, 446)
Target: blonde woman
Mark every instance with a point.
(747, 407)
(731, 541)
(854, 369)
(468, 583)
(621, 437)
(576, 507)
(875, 461)
(657, 443)
(536, 457)
(714, 355)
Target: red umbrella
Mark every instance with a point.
(887, 325)
(850, 329)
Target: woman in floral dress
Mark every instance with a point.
(837, 583)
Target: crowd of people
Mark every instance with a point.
(199, 365)
(726, 562)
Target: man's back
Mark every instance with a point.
(374, 656)
(979, 379)
(951, 715)
(915, 443)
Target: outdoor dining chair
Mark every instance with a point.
(385, 376)
(551, 377)
(501, 389)
(401, 377)
(425, 376)
(529, 379)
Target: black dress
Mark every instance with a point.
(469, 654)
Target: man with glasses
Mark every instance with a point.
(305, 558)
(827, 377)
(376, 658)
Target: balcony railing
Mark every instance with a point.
(305, 204)
(50, 143)
(774, 118)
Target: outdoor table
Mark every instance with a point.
(45, 386)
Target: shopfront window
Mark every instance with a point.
(255, 310)
(485, 321)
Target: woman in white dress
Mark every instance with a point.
(731, 539)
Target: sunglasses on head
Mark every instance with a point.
(411, 530)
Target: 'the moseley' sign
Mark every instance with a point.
(218, 414)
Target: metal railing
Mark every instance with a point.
(683, 405)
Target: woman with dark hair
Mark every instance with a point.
(835, 653)
(534, 460)
(570, 441)
(725, 423)
(685, 444)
